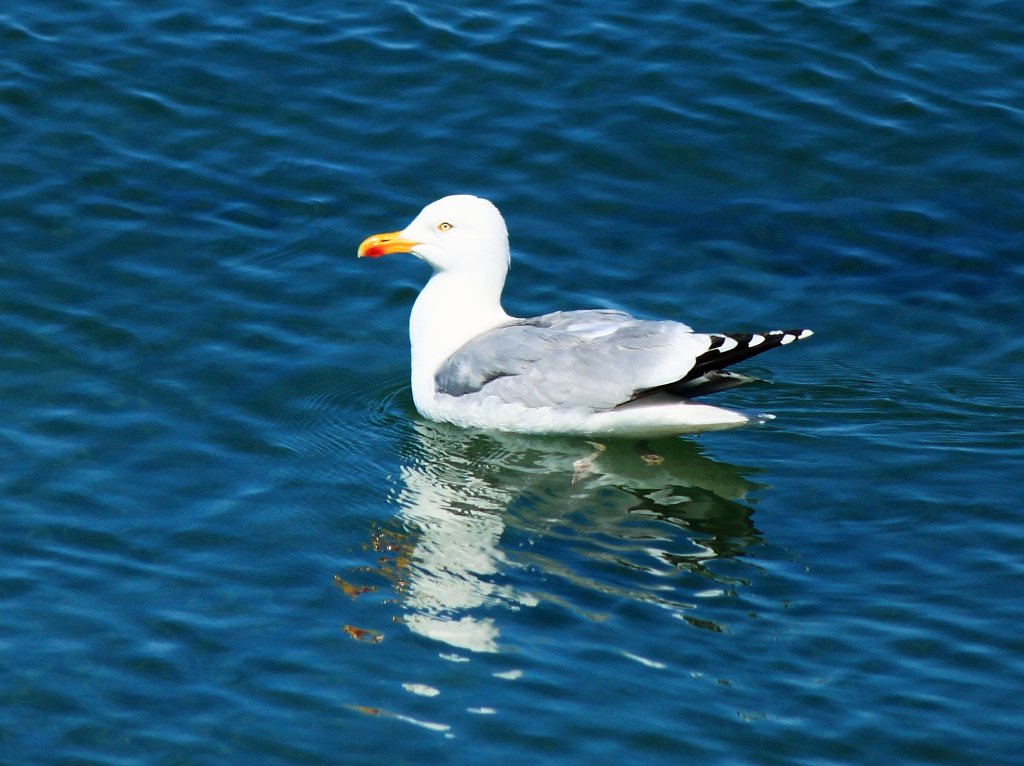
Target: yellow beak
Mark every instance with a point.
(385, 244)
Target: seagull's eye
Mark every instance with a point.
(444, 226)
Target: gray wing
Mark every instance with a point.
(592, 359)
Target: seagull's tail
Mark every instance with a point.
(711, 383)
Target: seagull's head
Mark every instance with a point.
(460, 233)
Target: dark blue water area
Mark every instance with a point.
(228, 537)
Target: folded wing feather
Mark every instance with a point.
(591, 359)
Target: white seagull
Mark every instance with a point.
(594, 372)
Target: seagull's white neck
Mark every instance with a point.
(453, 308)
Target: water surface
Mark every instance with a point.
(229, 538)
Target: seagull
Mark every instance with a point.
(594, 372)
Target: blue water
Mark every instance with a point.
(228, 537)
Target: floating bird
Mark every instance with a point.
(593, 372)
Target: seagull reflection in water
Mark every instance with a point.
(477, 511)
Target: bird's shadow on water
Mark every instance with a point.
(492, 523)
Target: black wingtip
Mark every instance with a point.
(788, 336)
(727, 349)
(739, 342)
(708, 375)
